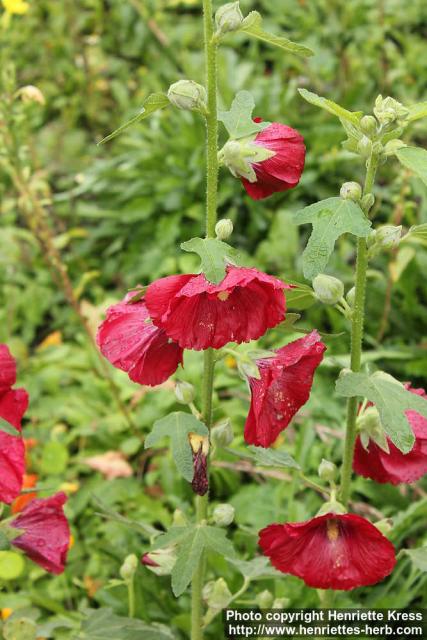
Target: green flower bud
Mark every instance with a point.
(129, 567)
(223, 515)
(388, 236)
(216, 594)
(392, 146)
(327, 471)
(187, 94)
(281, 603)
(184, 392)
(367, 202)
(228, 18)
(370, 428)
(328, 289)
(351, 296)
(222, 433)
(368, 125)
(388, 110)
(223, 229)
(351, 191)
(161, 562)
(364, 147)
(265, 599)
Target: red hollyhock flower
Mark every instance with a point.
(395, 467)
(13, 405)
(283, 170)
(46, 537)
(283, 388)
(330, 552)
(199, 314)
(133, 344)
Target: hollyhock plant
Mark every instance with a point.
(46, 534)
(13, 404)
(198, 314)
(395, 467)
(282, 389)
(332, 551)
(129, 340)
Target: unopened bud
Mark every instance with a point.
(223, 515)
(368, 125)
(367, 201)
(184, 392)
(129, 567)
(216, 594)
(228, 18)
(328, 289)
(265, 599)
(223, 229)
(30, 93)
(351, 191)
(388, 236)
(200, 449)
(281, 603)
(364, 147)
(351, 296)
(392, 146)
(327, 471)
(222, 433)
(187, 94)
(388, 110)
(161, 562)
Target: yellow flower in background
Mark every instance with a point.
(18, 7)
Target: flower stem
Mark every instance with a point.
(211, 218)
(357, 324)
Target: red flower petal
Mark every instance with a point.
(330, 552)
(133, 344)
(284, 387)
(12, 465)
(283, 170)
(13, 405)
(47, 535)
(395, 467)
(7, 369)
(198, 314)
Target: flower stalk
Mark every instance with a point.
(357, 324)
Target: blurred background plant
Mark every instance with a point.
(115, 215)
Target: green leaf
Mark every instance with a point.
(417, 111)
(238, 121)
(153, 103)
(54, 458)
(177, 426)
(20, 629)
(12, 565)
(257, 568)
(252, 25)
(331, 107)
(103, 623)
(417, 233)
(106, 512)
(330, 219)
(390, 398)
(214, 254)
(415, 159)
(273, 458)
(418, 557)
(191, 542)
(6, 427)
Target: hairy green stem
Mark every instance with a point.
(211, 218)
(357, 324)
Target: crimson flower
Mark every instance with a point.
(395, 467)
(130, 341)
(198, 314)
(330, 551)
(284, 386)
(283, 170)
(46, 534)
(13, 405)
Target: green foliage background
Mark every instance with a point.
(119, 212)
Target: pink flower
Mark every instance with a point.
(283, 170)
(284, 386)
(132, 343)
(198, 314)
(46, 534)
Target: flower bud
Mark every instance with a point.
(184, 392)
(364, 147)
(367, 201)
(351, 296)
(328, 289)
(129, 567)
(280, 603)
(265, 599)
(388, 236)
(222, 433)
(200, 449)
(351, 191)
(216, 594)
(388, 110)
(392, 146)
(223, 515)
(228, 18)
(370, 428)
(161, 562)
(368, 125)
(30, 93)
(327, 471)
(187, 94)
(223, 229)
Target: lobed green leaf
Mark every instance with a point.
(238, 120)
(415, 159)
(214, 254)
